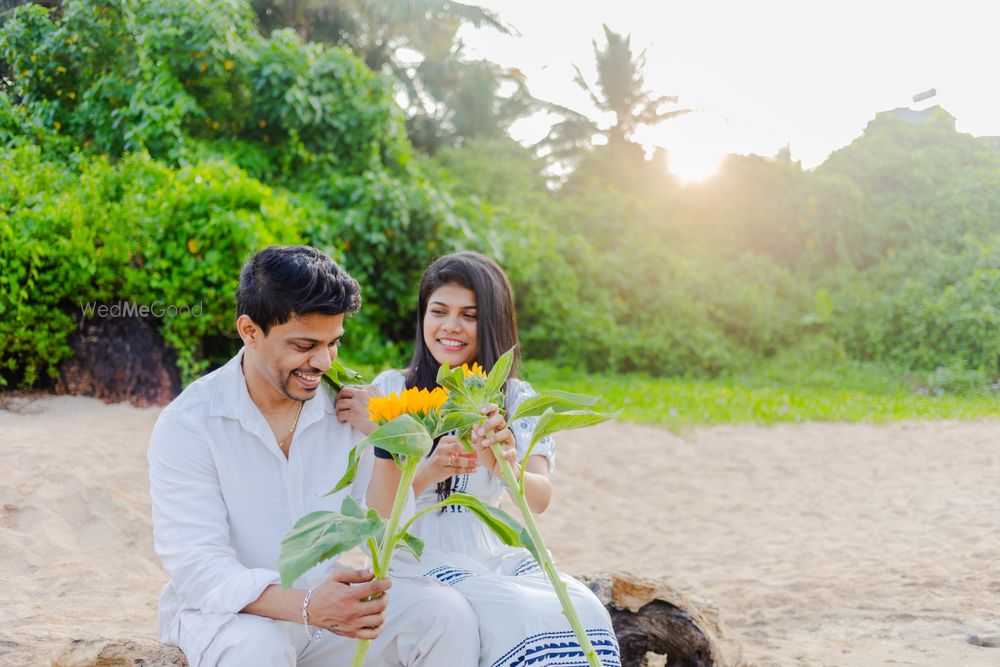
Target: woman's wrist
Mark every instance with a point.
(424, 476)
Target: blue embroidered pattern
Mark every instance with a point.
(449, 575)
(459, 484)
(525, 427)
(528, 565)
(552, 649)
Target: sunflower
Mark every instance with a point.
(475, 370)
(412, 401)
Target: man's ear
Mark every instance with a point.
(248, 330)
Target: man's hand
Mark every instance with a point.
(341, 605)
(352, 407)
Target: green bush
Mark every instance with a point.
(927, 307)
(56, 244)
(136, 232)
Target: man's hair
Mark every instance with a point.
(281, 281)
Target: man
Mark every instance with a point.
(239, 457)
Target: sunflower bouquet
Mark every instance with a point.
(407, 423)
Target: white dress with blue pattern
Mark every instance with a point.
(521, 623)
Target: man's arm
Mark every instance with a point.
(191, 536)
(190, 521)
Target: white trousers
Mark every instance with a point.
(427, 625)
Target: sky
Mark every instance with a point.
(762, 74)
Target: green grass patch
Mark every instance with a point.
(842, 392)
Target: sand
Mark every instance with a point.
(819, 544)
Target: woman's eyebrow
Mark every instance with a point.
(442, 303)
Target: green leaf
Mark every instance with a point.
(453, 421)
(411, 543)
(404, 436)
(350, 507)
(340, 375)
(502, 524)
(559, 401)
(452, 379)
(501, 369)
(319, 536)
(550, 421)
(352, 468)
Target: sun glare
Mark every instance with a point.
(693, 167)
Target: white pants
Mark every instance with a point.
(427, 625)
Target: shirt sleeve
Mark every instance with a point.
(389, 381)
(524, 428)
(190, 521)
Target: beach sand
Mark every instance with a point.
(819, 544)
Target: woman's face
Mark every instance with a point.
(450, 325)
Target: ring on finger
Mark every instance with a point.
(451, 462)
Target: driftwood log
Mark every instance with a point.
(119, 359)
(656, 625)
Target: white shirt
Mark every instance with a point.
(224, 496)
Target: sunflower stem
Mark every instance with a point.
(380, 561)
(548, 565)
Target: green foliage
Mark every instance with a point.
(136, 232)
(196, 227)
(56, 244)
(378, 215)
(148, 148)
(178, 94)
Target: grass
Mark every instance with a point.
(793, 388)
(772, 393)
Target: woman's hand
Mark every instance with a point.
(493, 431)
(352, 407)
(448, 459)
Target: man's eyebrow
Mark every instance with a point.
(307, 339)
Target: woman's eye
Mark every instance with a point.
(301, 348)
(439, 313)
(470, 316)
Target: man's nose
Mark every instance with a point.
(323, 359)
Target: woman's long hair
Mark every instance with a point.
(496, 319)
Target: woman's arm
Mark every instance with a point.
(537, 485)
(382, 487)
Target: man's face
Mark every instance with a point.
(293, 356)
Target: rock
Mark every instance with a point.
(118, 653)
(119, 359)
(657, 625)
(985, 642)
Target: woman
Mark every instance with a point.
(466, 314)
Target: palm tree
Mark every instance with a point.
(445, 97)
(621, 90)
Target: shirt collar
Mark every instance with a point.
(232, 400)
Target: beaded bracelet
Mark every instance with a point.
(314, 635)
